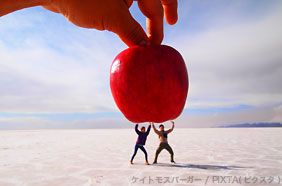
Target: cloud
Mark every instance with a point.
(191, 120)
(215, 119)
(234, 64)
(24, 123)
(39, 79)
(43, 72)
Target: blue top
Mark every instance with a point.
(142, 136)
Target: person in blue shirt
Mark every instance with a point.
(141, 140)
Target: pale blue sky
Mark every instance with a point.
(56, 75)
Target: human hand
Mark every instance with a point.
(114, 15)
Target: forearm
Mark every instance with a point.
(154, 127)
(171, 129)
(8, 6)
(136, 129)
(155, 130)
(149, 128)
(172, 125)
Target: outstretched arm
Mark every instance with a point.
(172, 127)
(136, 129)
(156, 131)
(148, 130)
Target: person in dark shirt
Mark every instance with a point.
(141, 140)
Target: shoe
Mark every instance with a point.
(147, 163)
(131, 162)
(172, 161)
(155, 162)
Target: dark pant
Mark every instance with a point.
(142, 148)
(161, 147)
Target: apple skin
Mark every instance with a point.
(149, 83)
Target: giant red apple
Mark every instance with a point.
(149, 83)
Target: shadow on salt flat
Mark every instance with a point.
(207, 167)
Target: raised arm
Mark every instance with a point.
(156, 131)
(172, 127)
(136, 129)
(148, 130)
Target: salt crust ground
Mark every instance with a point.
(212, 156)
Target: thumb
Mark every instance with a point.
(129, 31)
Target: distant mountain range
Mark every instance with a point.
(251, 125)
